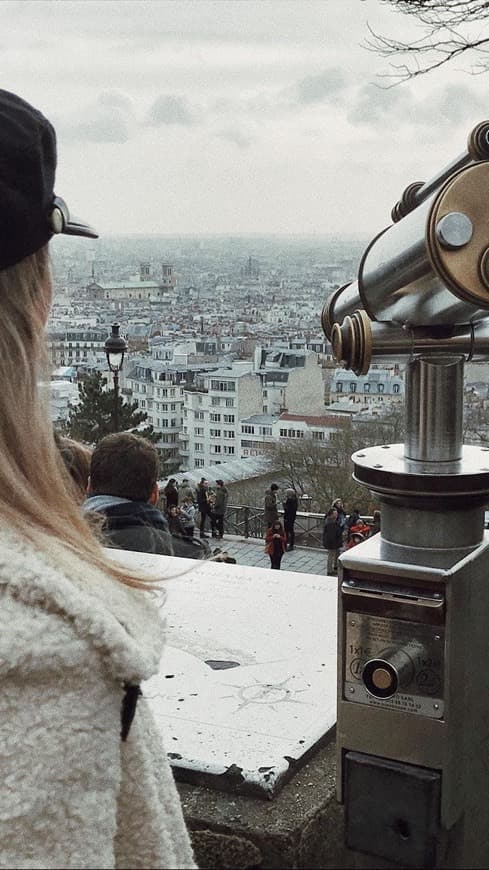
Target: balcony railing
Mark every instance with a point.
(248, 521)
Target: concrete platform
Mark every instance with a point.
(246, 703)
(247, 683)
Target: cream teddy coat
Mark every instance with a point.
(72, 795)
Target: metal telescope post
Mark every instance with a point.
(413, 675)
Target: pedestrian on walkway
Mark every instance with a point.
(290, 513)
(270, 511)
(203, 505)
(375, 527)
(86, 781)
(171, 494)
(219, 510)
(275, 543)
(332, 539)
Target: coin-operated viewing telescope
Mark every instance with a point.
(413, 672)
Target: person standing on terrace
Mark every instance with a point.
(85, 780)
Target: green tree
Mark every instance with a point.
(449, 31)
(92, 419)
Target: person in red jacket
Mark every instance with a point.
(275, 541)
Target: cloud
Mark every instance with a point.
(373, 105)
(107, 120)
(453, 104)
(234, 134)
(321, 88)
(170, 109)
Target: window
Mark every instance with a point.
(366, 388)
(216, 448)
(353, 387)
(199, 448)
(223, 386)
(199, 463)
(380, 388)
(199, 415)
(229, 403)
(215, 418)
(339, 388)
(396, 388)
(265, 430)
(318, 436)
(229, 418)
(228, 449)
(284, 433)
(247, 430)
(215, 433)
(198, 430)
(228, 433)
(215, 400)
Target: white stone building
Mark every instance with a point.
(379, 385)
(80, 346)
(213, 408)
(158, 389)
(144, 288)
(291, 381)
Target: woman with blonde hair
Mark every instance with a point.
(85, 780)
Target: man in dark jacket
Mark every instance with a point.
(332, 539)
(219, 509)
(290, 513)
(203, 505)
(123, 487)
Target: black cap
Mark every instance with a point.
(30, 213)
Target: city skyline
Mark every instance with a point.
(232, 117)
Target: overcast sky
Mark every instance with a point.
(231, 116)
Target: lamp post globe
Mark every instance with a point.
(115, 349)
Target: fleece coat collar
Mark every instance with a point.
(122, 623)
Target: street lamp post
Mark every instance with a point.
(115, 348)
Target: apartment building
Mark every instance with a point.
(259, 431)
(379, 385)
(291, 381)
(257, 434)
(213, 408)
(80, 346)
(158, 389)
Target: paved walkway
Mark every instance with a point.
(250, 551)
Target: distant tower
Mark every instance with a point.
(167, 279)
(144, 272)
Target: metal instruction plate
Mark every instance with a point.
(419, 646)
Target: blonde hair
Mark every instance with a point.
(36, 499)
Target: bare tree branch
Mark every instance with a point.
(447, 35)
